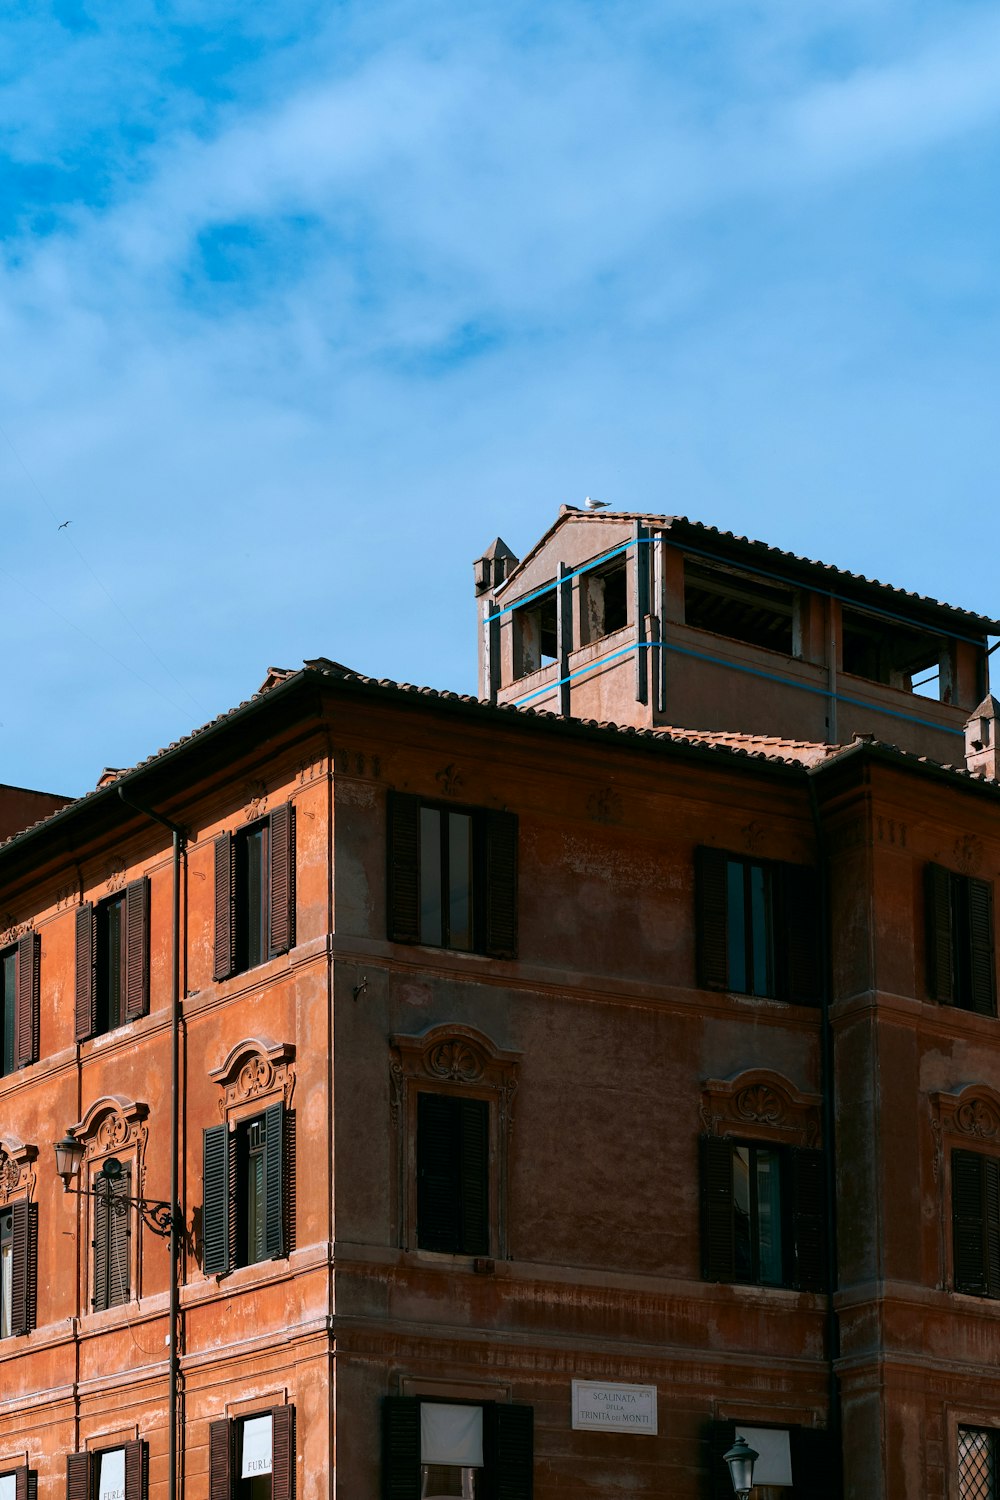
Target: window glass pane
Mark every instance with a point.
(115, 937)
(430, 877)
(5, 1280)
(255, 1441)
(741, 1205)
(736, 926)
(459, 880)
(768, 1216)
(256, 903)
(8, 1001)
(111, 1475)
(8, 1487)
(976, 1467)
(443, 1482)
(255, 1192)
(761, 928)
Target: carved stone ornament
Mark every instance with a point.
(16, 1171)
(256, 803)
(255, 1069)
(457, 1060)
(605, 806)
(753, 836)
(111, 1126)
(970, 1117)
(114, 875)
(449, 780)
(968, 853)
(10, 929)
(762, 1104)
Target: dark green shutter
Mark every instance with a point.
(968, 1211)
(136, 949)
(982, 971)
(24, 1265)
(711, 933)
(475, 1177)
(718, 1228)
(938, 927)
(86, 978)
(281, 874)
(26, 1025)
(403, 868)
(274, 1182)
(225, 907)
(508, 1443)
(25, 1484)
(439, 1223)
(119, 1235)
(991, 1203)
(136, 1470)
(815, 1464)
(216, 1245)
(807, 1182)
(500, 907)
(798, 938)
(400, 1448)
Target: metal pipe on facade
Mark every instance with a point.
(176, 1221)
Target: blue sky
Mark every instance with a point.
(302, 304)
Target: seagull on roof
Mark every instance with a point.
(596, 504)
(63, 526)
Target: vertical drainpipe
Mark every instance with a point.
(829, 1129)
(639, 536)
(176, 1215)
(832, 645)
(564, 635)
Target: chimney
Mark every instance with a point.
(496, 564)
(981, 739)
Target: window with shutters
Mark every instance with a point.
(975, 1211)
(253, 1457)
(19, 1004)
(961, 969)
(795, 1463)
(19, 1483)
(758, 927)
(255, 893)
(452, 876)
(977, 1464)
(112, 961)
(112, 1244)
(18, 1267)
(437, 1450)
(249, 1185)
(452, 1093)
(117, 1473)
(763, 1214)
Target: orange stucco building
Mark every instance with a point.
(549, 1084)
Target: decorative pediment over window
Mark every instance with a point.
(763, 1104)
(254, 1069)
(111, 1125)
(453, 1054)
(970, 1116)
(16, 1172)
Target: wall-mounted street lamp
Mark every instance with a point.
(160, 1216)
(741, 1459)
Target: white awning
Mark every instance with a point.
(8, 1487)
(256, 1447)
(451, 1434)
(111, 1475)
(775, 1463)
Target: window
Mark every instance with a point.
(763, 1214)
(247, 1211)
(740, 606)
(109, 1474)
(255, 893)
(453, 1183)
(437, 1449)
(899, 656)
(19, 1484)
(18, 1267)
(604, 599)
(959, 926)
(112, 961)
(253, 1457)
(19, 1004)
(452, 876)
(758, 927)
(796, 1463)
(112, 1242)
(977, 1463)
(975, 1208)
(536, 635)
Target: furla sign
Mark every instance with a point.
(600, 1407)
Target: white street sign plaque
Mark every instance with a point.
(600, 1407)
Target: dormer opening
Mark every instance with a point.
(535, 634)
(895, 655)
(604, 600)
(739, 606)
